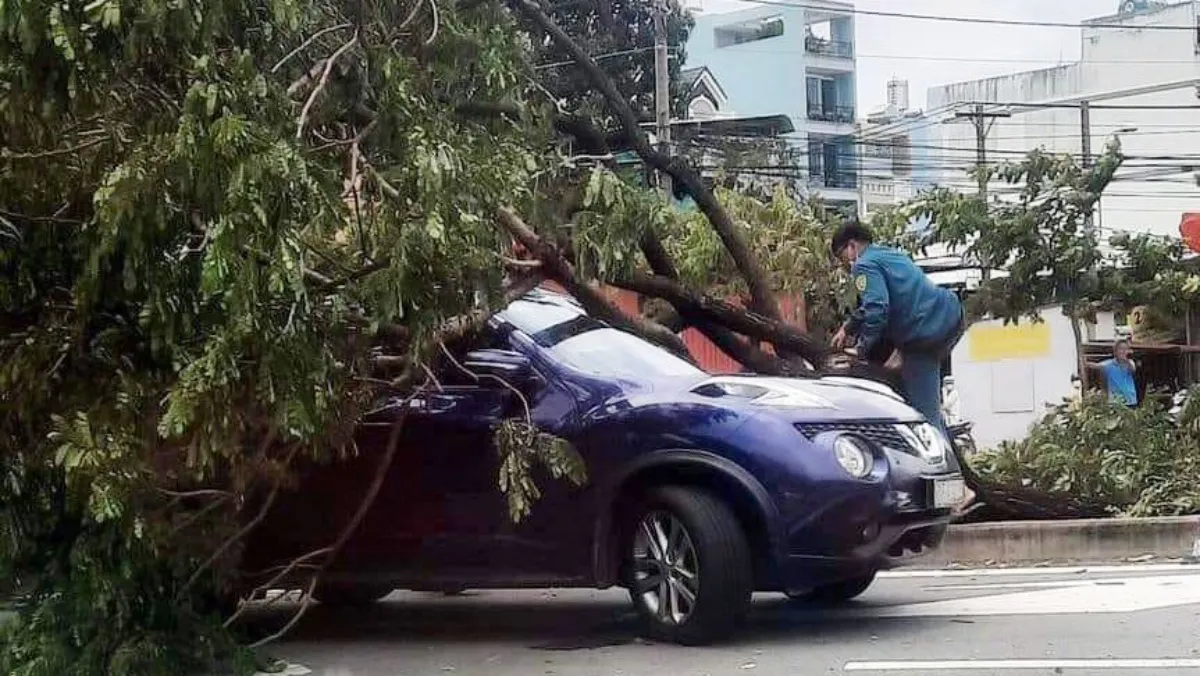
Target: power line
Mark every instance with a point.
(601, 56)
(972, 20)
(1054, 62)
(802, 146)
(1094, 106)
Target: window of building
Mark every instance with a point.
(701, 107)
(748, 31)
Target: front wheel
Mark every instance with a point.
(837, 592)
(688, 566)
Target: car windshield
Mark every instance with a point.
(591, 346)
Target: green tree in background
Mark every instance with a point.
(619, 34)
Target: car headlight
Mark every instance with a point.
(853, 456)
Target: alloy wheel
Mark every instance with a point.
(666, 571)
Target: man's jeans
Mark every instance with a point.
(921, 372)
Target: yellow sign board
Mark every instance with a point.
(1015, 341)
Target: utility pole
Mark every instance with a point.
(1085, 138)
(983, 121)
(662, 88)
(1089, 225)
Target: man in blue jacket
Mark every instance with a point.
(899, 305)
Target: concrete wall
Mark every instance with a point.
(1006, 376)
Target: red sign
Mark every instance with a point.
(1189, 230)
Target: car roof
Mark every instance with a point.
(524, 315)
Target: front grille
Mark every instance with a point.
(884, 434)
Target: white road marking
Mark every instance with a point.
(1018, 665)
(1123, 595)
(1064, 570)
(1103, 582)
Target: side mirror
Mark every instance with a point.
(513, 368)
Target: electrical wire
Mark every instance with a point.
(970, 20)
(801, 146)
(1053, 62)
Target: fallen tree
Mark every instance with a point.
(227, 232)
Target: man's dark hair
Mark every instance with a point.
(1121, 341)
(851, 231)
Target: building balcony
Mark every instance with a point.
(832, 48)
(833, 114)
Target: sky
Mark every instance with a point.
(929, 54)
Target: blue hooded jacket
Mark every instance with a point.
(898, 302)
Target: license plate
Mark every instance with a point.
(948, 492)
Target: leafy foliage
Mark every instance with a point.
(790, 236)
(1136, 461)
(1151, 275)
(521, 446)
(1039, 237)
(214, 219)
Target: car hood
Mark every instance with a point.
(827, 398)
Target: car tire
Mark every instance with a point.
(334, 594)
(697, 590)
(837, 592)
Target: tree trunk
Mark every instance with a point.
(780, 334)
(762, 297)
(1080, 357)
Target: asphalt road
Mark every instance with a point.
(1114, 621)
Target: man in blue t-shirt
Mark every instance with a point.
(899, 305)
(1118, 374)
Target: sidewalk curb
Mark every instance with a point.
(1090, 540)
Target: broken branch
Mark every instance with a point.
(780, 334)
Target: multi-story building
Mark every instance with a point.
(757, 53)
(1139, 73)
(894, 146)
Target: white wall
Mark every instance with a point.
(1003, 398)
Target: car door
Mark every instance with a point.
(449, 428)
(476, 537)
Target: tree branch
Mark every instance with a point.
(7, 154)
(306, 43)
(746, 353)
(312, 97)
(589, 137)
(762, 297)
(296, 562)
(245, 529)
(556, 267)
(780, 334)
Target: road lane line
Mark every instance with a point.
(1022, 665)
(1064, 570)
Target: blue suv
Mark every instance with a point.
(702, 488)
